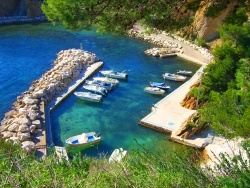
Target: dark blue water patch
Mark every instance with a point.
(27, 51)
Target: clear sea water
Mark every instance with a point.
(27, 51)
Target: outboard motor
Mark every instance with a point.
(97, 134)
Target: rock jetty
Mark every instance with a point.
(23, 122)
(166, 47)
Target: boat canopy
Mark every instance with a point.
(83, 138)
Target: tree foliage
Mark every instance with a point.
(227, 84)
(113, 16)
(139, 168)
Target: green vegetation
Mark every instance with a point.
(202, 43)
(225, 86)
(140, 168)
(225, 93)
(115, 16)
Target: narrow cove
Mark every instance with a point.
(118, 116)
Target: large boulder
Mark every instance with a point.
(28, 146)
(23, 136)
(13, 127)
(37, 123)
(23, 128)
(23, 121)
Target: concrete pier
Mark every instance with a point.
(168, 115)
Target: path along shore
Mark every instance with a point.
(168, 114)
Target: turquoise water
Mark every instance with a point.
(27, 51)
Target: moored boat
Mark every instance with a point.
(83, 139)
(107, 86)
(154, 90)
(107, 80)
(117, 155)
(184, 72)
(160, 85)
(89, 96)
(114, 74)
(96, 89)
(174, 77)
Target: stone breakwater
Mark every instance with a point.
(23, 122)
(167, 46)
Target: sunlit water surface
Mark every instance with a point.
(27, 51)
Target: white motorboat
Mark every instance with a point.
(97, 80)
(114, 74)
(96, 89)
(117, 155)
(89, 96)
(174, 77)
(83, 139)
(107, 86)
(154, 90)
(184, 72)
(160, 85)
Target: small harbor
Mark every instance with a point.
(75, 115)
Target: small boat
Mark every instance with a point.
(174, 77)
(160, 85)
(107, 86)
(97, 80)
(96, 89)
(83, 139)
(114, 74)
(61, 153)
(184, 72)
(154, 90)
(117, 155)
(89, 96)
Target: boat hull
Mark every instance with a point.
(184, 72)
(76, 141)
(89, 97)
(159, 85)
(96, 89)
(174, 77)
(114, 74)
(107, 80)
(154, 90)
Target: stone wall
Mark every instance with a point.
(24, 120)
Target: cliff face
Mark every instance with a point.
(29, 8)
(202, 26)
(206, 28)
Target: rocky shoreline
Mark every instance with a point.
(166, 48)
(23, 122)
(171, 45)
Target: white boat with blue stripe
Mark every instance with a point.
(84, 139)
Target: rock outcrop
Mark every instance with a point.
(191, 127)
(24, 120)
(205, 27)
(28, 8)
